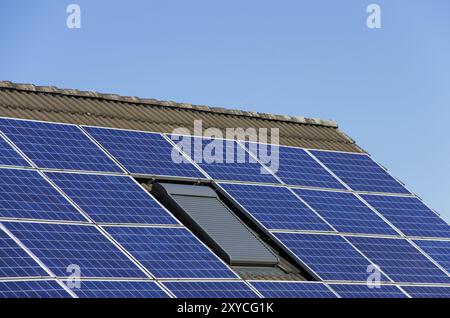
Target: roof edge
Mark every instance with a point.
(155, 102)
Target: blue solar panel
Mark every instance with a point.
(428, 291)
(59, 246)
(144, 153)
(227, 160)
(119, 289)
(170, 252)
(364, 291)
(112, 199)
(409, 215)
(10, 157)
(57, 146)
(293, 290)
(275, 207)
(400, 260)
(210, 290)
(26, 194)
(15, 262)
(359, 172)
(346, 212)
(32, 289)
(438, 250)
(329, 256)
(297, 167)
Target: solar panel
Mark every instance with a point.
(60, 246)
(32, 289)
(400, 260)
(345, 212)
(10, 157)
(210, 289)
(15, 262)
(112, 199)
(360, 172)
(275, 207)
(364, 291)
(170, 252)
(271, 289)
(57, 146)
(438, 250)
(297, 167)
(144, 153)
(119, 289)
(25, 194)
(428, 291)
(409, 215)
(227, 160)
(328, 256)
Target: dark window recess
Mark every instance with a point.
(202, 210)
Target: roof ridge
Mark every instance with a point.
(155, 102)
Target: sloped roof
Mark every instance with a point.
(49, 103)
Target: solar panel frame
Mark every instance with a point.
(293, 289)
(397, 257)
(439, 251)
(408, 214)
(298, 168)
(32, 289)
(364, 291)
(170, 252)
(346, 212)
(244, 167)
(114, 199)
(210, 289)
(287, 220)
(10, 156)
(427, 291)
(119, 289)
(26, 194)
(134, 150)
(393, 185)
(59, 246)
(57, 146)
(328, 257)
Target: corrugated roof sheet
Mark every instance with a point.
(49, 103)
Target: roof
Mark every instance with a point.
(49, 103)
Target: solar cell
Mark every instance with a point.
(144, 153)
(10, 157)
(275, 207)
(409, 215)
(360, 172)
(328, 256)
(61, 246)
(293, 289)
(226, 160)
(346, 212)
(112, 199)
(15, 262)
(438, 250)
(119, 289)
(400, 260)
(25, 194)
(297, 167)
(428, 291)
(170, 252)
(210, 290)
(364, 291)
(32, 289)
(57, 146)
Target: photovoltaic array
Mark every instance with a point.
(336, 215)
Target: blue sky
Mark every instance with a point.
(387, 88)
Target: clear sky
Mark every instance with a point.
(388, 88)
